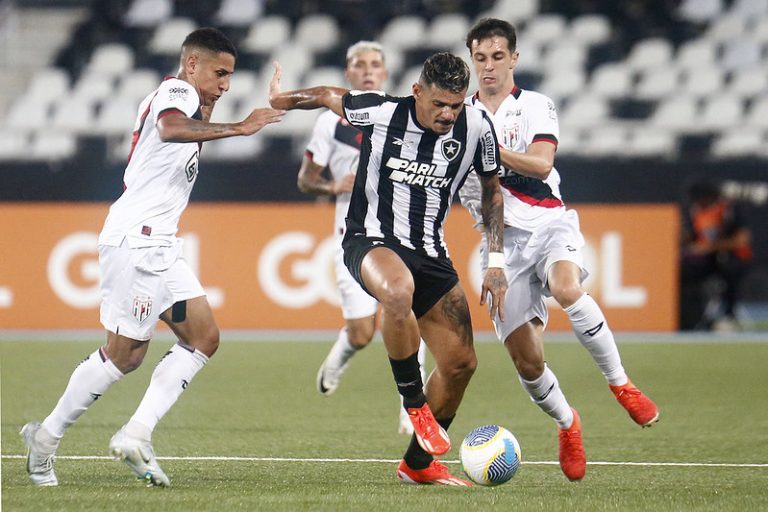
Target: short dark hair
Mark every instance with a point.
(211, 39)
(490, 27)
(446, 71)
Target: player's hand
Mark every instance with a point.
(259, 118)
(274, 84)
(345, 184)
(495, 285)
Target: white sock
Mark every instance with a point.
(171, 377)
(546, 393)
(88, 382)
(593, 332)
(342, 351)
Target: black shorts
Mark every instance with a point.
(432, 277)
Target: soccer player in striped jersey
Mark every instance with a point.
(335, 145)
(542, 243)
(144, 277)
(416, 153)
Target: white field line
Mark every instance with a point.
(395, 461)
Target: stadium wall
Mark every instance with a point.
(271, 266)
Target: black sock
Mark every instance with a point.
(408, 380)
(415, 457)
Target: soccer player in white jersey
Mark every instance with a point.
(416, 153)
(542, 244)
(335, 145)
(143, 274)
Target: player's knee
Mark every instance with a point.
(567, 295)
(128, 362)
(210, 341)
(462, 368)
(529, 369)
(397, 298)
(360, 336)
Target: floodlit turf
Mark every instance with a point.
(258, 400)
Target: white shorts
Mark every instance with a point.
(529, 257)
(355, 302)
(137, 285)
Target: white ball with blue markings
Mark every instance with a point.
(490, 455)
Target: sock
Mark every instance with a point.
(546, 393)
(342, 351)
(421, 357)
(593, 332)
(91, 379)
(408, 379)
(415, 456)
(171, 377)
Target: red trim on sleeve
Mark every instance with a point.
(170, 111)
(540, 137)
(309, 155)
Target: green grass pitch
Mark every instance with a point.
(258, 401)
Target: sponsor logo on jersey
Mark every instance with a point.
(402, 142)
(416, 173)
(489, 150)
(142, 307)
(450, 148)
(360, 117)
(190, 169)
(175, 93)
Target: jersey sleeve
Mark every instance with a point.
(320, 147)
(487, 161)
(542, 123)
(175, 96)
(360, 107)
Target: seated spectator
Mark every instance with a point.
(716, 251)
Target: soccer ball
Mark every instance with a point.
(490, 455)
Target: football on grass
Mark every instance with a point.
(490, 455)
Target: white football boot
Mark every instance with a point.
(39, 457)
(329, 375)
(405, 427)
(139, 456)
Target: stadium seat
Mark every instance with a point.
(677, 113)
(606, 141)
(721, 112)
(168, 36)
(294, 61)
(726, 27)
(695, 53)
(148, 13)
(611, 80)
(739, 143)
(404, 32)
(757, 116)
(564, 55)
(238, 13)
(758, 30)
(28, 113)
(267, 34)
(750, 9)
(657, 83)
(111, 59)
(700, 11)
(233, 148)
(530, 59)
(649, 53)
(584, 111)
(75, 115)
(740, 53)
(561, 83)
(48, 85)
(53, 145)
(117, 116)
(243, 83)
(748, 83)
(226, 109)
(326, 75)
(702, 81)
(570, 141)
(138, 83)
(545, 28)
(317, 32)
(407, 79)
(445, 28)
(515, 11)
(589, 29)
(93, 87)
(656, 142)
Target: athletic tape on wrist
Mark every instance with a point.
(495, 260)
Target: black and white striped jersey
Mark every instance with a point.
(408, 174)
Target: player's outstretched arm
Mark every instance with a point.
(177, 127)
(305, 99)
(492, 208)
(311, 180)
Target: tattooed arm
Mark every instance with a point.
(492, 207)
(176, 127)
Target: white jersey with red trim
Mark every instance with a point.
(159, 176)
(336, 144)
(523, 118)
